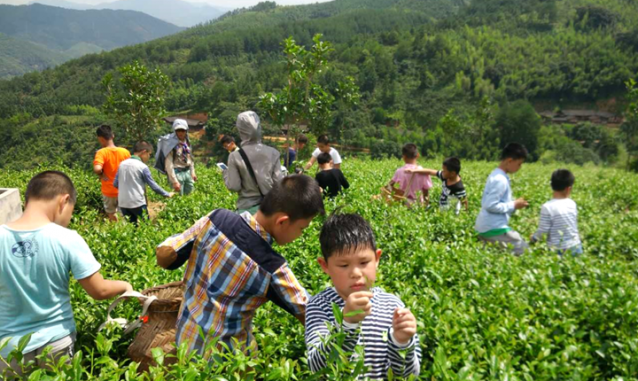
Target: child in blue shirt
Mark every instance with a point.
(497, 204)
(37, 252)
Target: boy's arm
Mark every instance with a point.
(318, 348)
(276, 173)
(423, 171)
(544, 225)
(404, 351)
(310, 163)
(232, 178)
(411, 364)
(493, 195)
(286, 292)
(148, 179)
(86, 270)
(344, 181)
(170, 169)
(176, 250)
(467, 205)
(98, 166)
(99, 288)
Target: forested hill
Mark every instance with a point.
(72, 33)
(414, 60)
(18, 57)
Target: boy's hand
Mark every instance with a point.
(404, 325)
(170, 195)
(128, 287)
(358, 301)
(177, 187)
(520, 204)
(194, 178)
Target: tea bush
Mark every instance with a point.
(482, 314)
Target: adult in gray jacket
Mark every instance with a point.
(264, 161)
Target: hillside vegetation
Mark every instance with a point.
(426, 69)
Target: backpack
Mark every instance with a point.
(165, 145)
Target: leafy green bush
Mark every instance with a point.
(482, 314)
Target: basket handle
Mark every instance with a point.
(128, 326)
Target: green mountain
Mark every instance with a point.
(425, 67)
(61, 29)
(19, 57)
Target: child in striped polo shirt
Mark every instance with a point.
(559, 217)
(384, 327)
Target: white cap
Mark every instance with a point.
(180, 124)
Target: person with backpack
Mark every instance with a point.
(253, 168)
(174, 158)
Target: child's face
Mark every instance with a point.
(230, 147)
(145, 156)
(301, 146)
(512, 166)
(181, 134)
(352, 272)
(323, 147)
(446, 174)
(286, 231)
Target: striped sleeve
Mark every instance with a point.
(404, 360)
(545, 224)
(286, 291)
(318, 319)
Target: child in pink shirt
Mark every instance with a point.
(420, 183)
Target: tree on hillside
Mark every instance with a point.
(137, 102)
(518, 122)
(303, 98)
(629, 128)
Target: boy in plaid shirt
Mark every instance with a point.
(232, 268)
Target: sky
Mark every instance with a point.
(221, 3)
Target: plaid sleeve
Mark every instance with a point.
(175, 251)
(286, 292)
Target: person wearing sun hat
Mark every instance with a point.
(179, 164)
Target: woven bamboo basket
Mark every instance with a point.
(158, 329)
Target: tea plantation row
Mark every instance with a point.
(482, 314)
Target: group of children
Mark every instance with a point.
(124, 176)
(232, 268)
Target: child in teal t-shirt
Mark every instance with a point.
(37, 252)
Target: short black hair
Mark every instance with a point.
(323, 139)
(302, 139)
(227, 139)
(514, 151)
(104, 131)
(562, 179)
(142, 146)
(48, 185)
(410, 151)
(345, 233)
(453, 164)
(324, 158)
(298, 196)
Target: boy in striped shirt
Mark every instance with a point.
(384, 327)
(559, 217)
